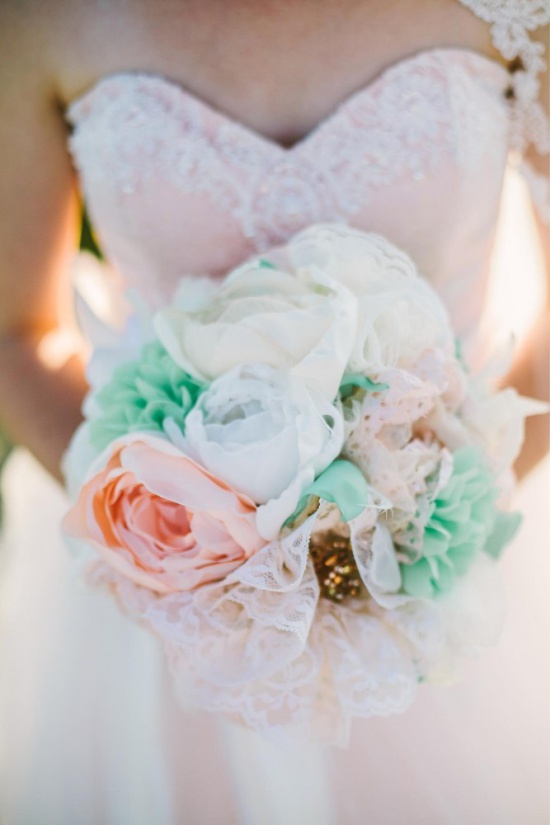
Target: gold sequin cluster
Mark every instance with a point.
(335, 566)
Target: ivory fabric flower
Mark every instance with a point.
(399, 314)
(267, 435)
(160, 519)
(286, 319)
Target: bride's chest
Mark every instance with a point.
(278, 66)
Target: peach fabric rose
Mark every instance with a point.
(162, 520)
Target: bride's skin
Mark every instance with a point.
(277, 66)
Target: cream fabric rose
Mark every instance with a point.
(161, 520)
(287, 319)
(400, 315)
(266, 435)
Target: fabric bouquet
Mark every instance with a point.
(292, 479)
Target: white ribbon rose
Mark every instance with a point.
(261, 313)
(266, 435)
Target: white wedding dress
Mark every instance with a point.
(90, 732)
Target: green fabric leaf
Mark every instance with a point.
(341, 483)
(352, 380)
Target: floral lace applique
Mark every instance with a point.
(512, 21)
(132, 128)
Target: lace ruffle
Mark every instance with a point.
(263, 647)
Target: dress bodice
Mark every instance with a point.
(175, 187)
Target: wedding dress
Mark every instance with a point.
(91, 733)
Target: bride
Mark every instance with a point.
(199, 133)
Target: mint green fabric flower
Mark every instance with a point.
(141, 395)
(463, 521)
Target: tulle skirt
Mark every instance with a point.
(92, 734)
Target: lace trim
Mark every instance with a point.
(512, 21)
(264, 649)
(136, 128)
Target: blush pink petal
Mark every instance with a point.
(210, 533)
(195, 488)
(160, 519)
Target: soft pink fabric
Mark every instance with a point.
(162, 520)
(175, 187)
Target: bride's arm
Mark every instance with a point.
(39, 402)
(530, 373)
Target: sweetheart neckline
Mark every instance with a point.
(137, 75)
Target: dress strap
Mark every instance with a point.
(512, 22)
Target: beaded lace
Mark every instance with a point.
(512, 21)
(405, 124)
